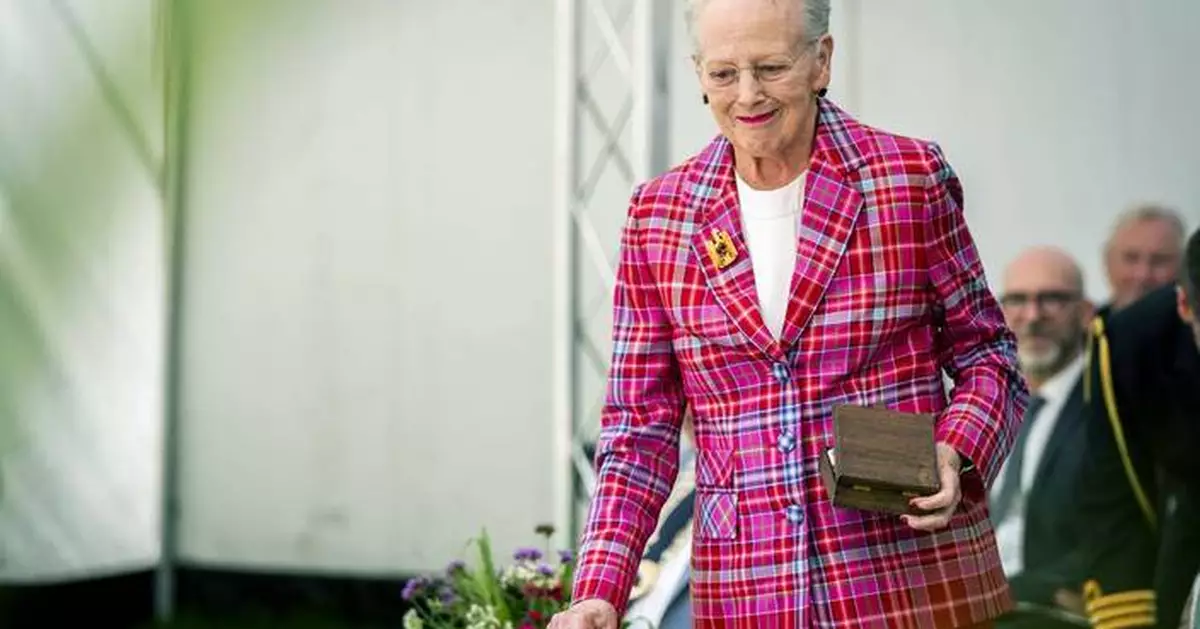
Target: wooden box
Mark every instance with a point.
(880, 460)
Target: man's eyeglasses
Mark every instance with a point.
(1048, 301)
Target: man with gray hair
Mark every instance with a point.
(801, 262)
(1143, 253)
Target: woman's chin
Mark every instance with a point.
(757, 144)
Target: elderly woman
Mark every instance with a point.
(802, 260)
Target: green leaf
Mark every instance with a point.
(491, 582)
(568, 581)
(470, 588)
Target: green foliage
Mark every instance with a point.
(522, 595)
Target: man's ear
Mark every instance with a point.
(1183, 305)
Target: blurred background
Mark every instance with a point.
(297, 296)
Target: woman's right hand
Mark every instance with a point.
(590, 614)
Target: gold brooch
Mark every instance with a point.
(720, 249)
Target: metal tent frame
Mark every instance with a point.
(163, 165)
(634, 39)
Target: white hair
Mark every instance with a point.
(816, 18)
(1148, 212)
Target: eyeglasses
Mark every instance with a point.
(726, 75)
(1048, 301)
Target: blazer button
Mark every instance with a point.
(795, 514)
(787, 441)
(781, 372)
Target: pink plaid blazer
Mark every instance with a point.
(888, 291)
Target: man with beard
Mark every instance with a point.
(1043, 303)
(1142, 498)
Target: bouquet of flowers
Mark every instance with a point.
(522, 595)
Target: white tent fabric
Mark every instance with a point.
(370, 249)
(82, 299)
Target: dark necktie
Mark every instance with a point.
(1012, 474)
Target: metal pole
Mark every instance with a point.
(662, 50)
(851, 46)
(176, 84)
(651, 77)
(566, 183)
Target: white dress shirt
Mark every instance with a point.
(1010, 533)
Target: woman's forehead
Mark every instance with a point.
(746, 50)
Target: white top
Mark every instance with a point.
(1010, 534)
(769, 219)
(1191, 615)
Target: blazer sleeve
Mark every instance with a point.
(1116, 511)
(637, 455)
(979, 350)
(1178, 550)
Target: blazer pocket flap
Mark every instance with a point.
(716, 515)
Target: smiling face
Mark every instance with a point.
(761, 74)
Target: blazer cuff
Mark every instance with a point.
(956, 428)
(1119, 610)
(603, 578)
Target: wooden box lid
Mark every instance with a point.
(881, 458)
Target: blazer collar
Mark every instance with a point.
(832, 201)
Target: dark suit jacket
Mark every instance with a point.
(1053, 557)
(1144, 534)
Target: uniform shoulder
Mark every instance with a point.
(1144, 325)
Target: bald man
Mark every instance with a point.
(1043, 303)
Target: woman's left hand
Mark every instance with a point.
(939, 507)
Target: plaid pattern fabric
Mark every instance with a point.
(888, 290)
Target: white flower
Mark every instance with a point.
(518, 574)
(482, 617)
(524, 572)
(412, 620)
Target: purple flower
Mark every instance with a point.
(545, 570)
(566, 556)
(448, 596)
(527, 554)
(413, 588)
(455, 567)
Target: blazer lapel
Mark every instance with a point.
(1070, 417)
(831, 207)
(714, 196)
